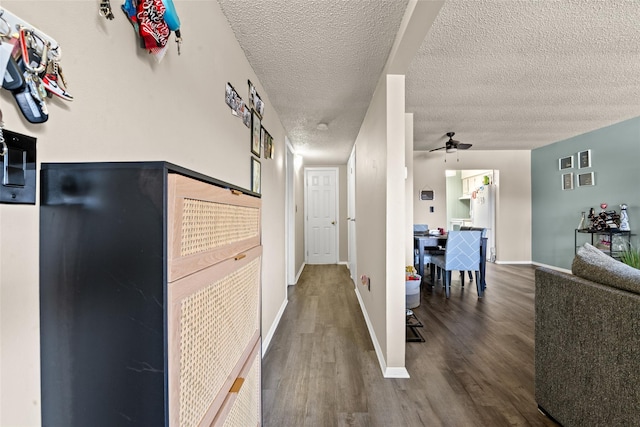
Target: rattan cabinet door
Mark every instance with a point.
(214, 325)
(207, 224)
(241, 408)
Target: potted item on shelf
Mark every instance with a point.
(412, 287)
(631, 257)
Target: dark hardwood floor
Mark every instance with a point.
(475, 367)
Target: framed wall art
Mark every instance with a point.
(255, 134)
(255, 102)
(238, 106)
(267, 144)
(256, 176)
(271, 146)
(565, 163)
(567, 181)
(586, 179)
(584, 159)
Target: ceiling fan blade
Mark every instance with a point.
(462, 146)
(436, 149)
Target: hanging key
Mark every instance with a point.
(35, 85)
(105, 9)
(178, 40)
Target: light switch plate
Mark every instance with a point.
(18, 172)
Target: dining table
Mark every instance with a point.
(438, 241)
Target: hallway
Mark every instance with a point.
(475, 368)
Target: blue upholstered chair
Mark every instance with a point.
(462, 253)
(418, 230)
(483, 249)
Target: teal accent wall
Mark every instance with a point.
(615, 161)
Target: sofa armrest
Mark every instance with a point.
(587, 351)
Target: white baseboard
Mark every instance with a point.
(386, 371)
(514, 262)
(266, 339)
(396, 373)
(344, 263)
(552, 267)
(299, 273)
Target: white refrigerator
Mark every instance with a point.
(483, 214)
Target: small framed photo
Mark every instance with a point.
(586, 179)
(584, 159)
(267, 144)
(256, 176)
(255, 102)
(255, 134)
(231, 98)
(246, 115)
(270, 145)
(567, 181)
(565, 163)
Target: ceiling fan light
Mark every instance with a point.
(452, 150)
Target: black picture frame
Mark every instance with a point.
(267, 144)
(256, 176)
(271, 146)
(255, 134)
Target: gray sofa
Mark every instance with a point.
(587, 342)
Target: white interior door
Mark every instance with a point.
(351, 214)
(321, 215)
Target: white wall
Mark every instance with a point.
(408, 197)
(380, 225)
(371, 208)
(128, 107)
(513, 210)
(299, 202)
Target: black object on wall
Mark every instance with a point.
(426, 195)
(18, 172)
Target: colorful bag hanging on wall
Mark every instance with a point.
(30, 60)
(153, 21)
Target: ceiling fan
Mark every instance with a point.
(452, 145)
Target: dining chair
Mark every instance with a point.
(418, 230)
(462, 253)
(483, 248)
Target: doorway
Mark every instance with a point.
(472, 201)
(289, 214)
(321, 220)
(351, 214)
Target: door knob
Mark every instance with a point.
(333, 223)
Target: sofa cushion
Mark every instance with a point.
(592, 264)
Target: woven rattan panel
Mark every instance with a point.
(210, 225)
(246, 409)
(216, 325)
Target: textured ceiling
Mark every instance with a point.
(501, 74)
(523, 74)
(319, 62)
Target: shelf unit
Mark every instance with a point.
(149, 297)
(610, 234)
